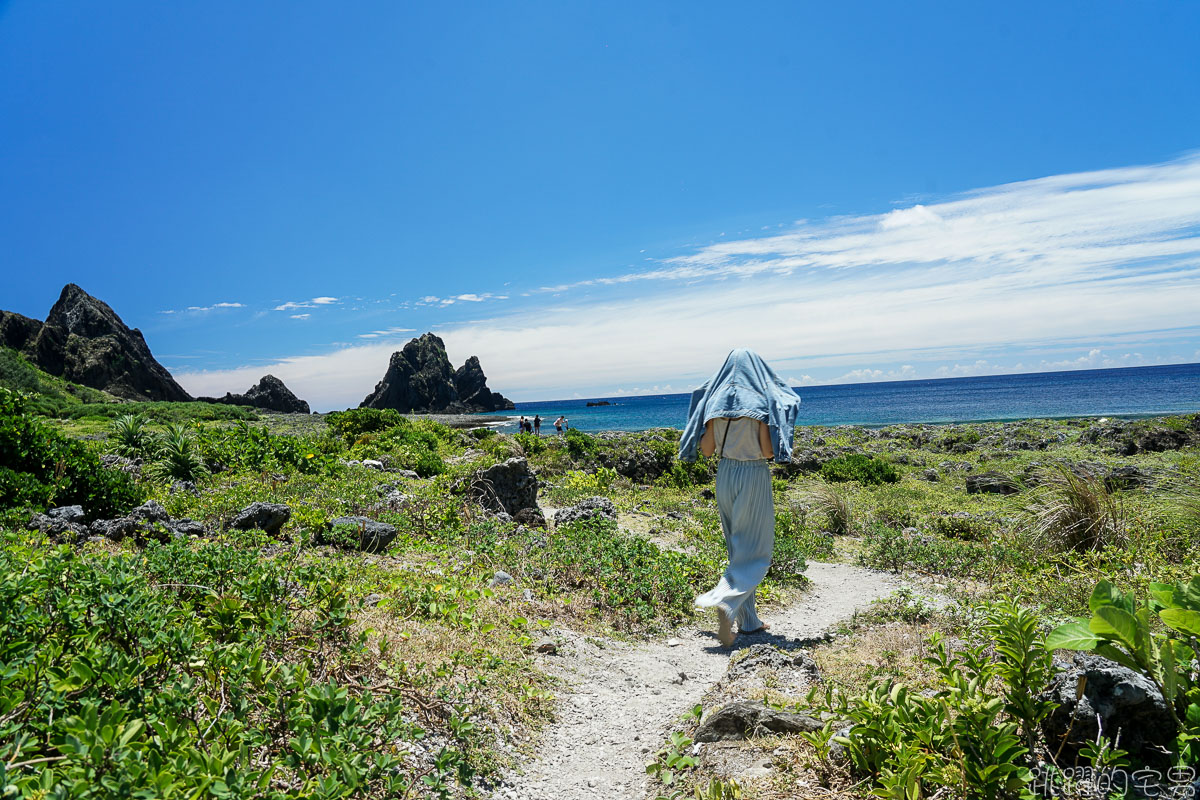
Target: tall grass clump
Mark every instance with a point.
(824, 499)
(1075, 512)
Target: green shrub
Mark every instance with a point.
(131, 436)
(581, 446)
(39, 467)
(253, 448)
(530, 444)
(888, 548)
(864, 469)
(352, 424)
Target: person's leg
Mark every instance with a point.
(748, 522)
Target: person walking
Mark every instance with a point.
(558, 423)
(537, 425)
(746, 415)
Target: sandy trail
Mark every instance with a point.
(621, 699)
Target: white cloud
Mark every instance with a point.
(206, 309)
(289, 306)
(323, 301)
(1090, 259)
(301, 316)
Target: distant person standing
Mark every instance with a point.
(558, 423)
(537, 424)
(566, 424)
(746, 415)
(521, 424)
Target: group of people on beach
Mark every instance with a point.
(534, 426)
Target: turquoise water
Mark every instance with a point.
(1132, 391)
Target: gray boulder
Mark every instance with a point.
(267, 517)
(764, 656)
(746, 718)
(358, 533)
(1115, 700)
(59, 529)
(592, 508)
(991, 483)
(269, 394)
(67, 513)
(183, 528)
(509, 487)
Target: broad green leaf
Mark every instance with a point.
(1072, 636)
(1191, 594)
(1182, 620)
(1120, 656)
(1105, 594)
(1162, 595)
(1110, 621)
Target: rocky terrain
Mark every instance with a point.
(420, 379)
(84, 341)
(269, 394)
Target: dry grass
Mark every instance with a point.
(1075, 512)
(835, 505)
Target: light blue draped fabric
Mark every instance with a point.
(748, 521)
(744, 386)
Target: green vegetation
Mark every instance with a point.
(866, 470)
(240, 664)
(39, 468)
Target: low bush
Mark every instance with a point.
(581, 446)
(350, 425)
(888, 548)
(39, 468)
(864, 469)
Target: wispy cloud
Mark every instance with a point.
(292, 305)
(386, 332)
(204, 309)
(1064, 261)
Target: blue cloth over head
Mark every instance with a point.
(744, 386)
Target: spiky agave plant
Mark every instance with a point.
(1072, 511)
(178, 457)
(131, 436)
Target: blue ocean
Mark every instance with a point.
(1125, 392)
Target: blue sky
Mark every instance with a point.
(604, 198)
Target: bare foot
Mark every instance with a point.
(760, 629)
(724, 628)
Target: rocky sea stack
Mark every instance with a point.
(84, 341)
(419, 379)
(269, 394)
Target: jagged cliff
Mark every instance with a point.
(269, 393)
(84, 341)
(419, 378)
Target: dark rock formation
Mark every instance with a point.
(991, 483)
(269, 394)
(510, 487)
(85, 342)
(745, 718)
(593, 508)
(419, 379)
(473, 392)
(267, 517)
(358, 533)
(1115, 700)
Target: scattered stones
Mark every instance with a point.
(593, 508)
(1114, 700)
(930, 475)
(267, 517)
(184, 486)
(371, 463)
(358, 533)
(59, 529)
(530, 518)
(744, 719)
(673, 642)
(547, 646)
(764, 656)
(501, 578)
(372, 600)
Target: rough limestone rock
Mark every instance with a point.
(471, 385)
(593, 508)
(991, 483)
(510, 487)
(84, 341)
(764, 656)
(746, 718)
(1123, 701)
(268, 517)
(419, 379)
(269, 394)
(358, 533)
(58, 529)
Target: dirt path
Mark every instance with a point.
(622, 698)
